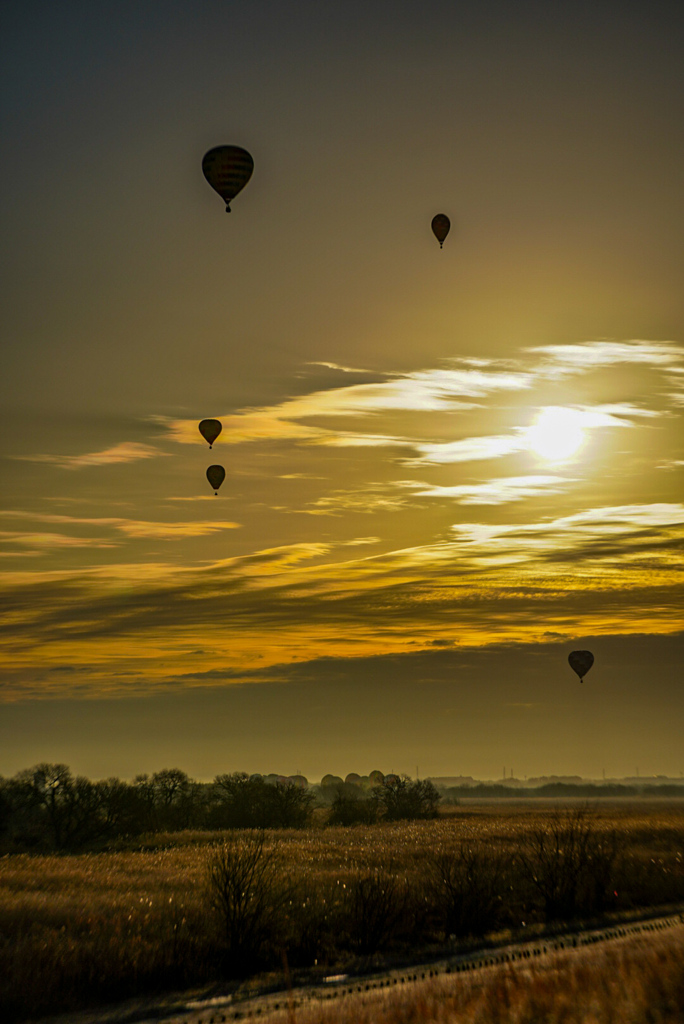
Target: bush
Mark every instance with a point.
(570, 865)
(348, 810)
(402, 799)
(249, 891)
(376, 902)
(467, 889)
(243, 802)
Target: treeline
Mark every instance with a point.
(452, 794)
(48, 808)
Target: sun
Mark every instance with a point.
(556, 434)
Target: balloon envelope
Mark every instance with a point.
(581, 662)
(440, 227)
(210, 430)
(227, 169)
(216, 475)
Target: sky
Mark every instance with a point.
(445, 469)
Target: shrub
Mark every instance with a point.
(243, 802)
(570, 864)
(353, 811)
(249, 891)
(376, 902)
(402, 799)
(466, 886)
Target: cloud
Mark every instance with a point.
(173, 531)
(335, 366)
(461, 385)
(126, 451)
(470, 449)
(371, 498)
(483, 583)
(621, 534)
(520, 439)
(589, 355)
(431, 390)
(132, 528)
(499, 491)
(44, 541)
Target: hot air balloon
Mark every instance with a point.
(227, 169)
(216, 475)
(581, 662)
(440, 227)
(210, 430)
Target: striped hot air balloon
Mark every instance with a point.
(227, 169)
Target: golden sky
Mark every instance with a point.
(435, 460)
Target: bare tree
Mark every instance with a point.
(569, 863)
(249, 891)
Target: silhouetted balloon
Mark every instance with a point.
(227, 169)
(440, 227)
(581, 662)
(210, 430)
(216, 475)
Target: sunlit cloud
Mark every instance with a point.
(588, 355)
(348, 439)
(471, 449)
(500, 491)
(131, 528)
(614, 532)
(127, 451)
(335, 366)
(598, 570)
(433, 390)
(557, 432)
(45, 541)
(370, 499)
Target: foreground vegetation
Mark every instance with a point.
(640, 981)
(82, 929)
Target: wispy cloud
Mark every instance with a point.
(132, 528)
(335, 366)
(126, 451)
(45, 541)
(371, 498)
(520, 439)
(471, 449)
(618, 534)
(499, 491)
(432, 390)
(588, 355)
(460, 386)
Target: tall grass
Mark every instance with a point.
(635, 982)
(80, 930)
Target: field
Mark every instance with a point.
(640, 981)
(81, 930)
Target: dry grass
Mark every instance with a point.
(80, 930)
(637, 981)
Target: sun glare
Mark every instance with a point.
(557, 433)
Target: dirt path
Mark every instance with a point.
(226, 1008)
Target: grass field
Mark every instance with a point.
(640, 981)
(78, 930)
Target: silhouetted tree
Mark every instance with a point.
(404, 798)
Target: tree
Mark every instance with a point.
(402, 799)
(249, 891)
